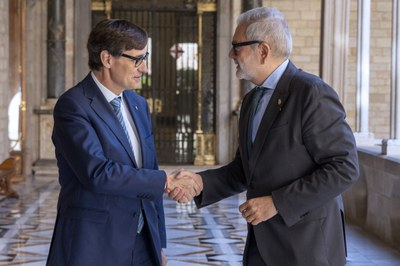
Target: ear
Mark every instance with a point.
(106, 58)
(265, 52)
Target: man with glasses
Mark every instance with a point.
(110, 209)
(296, 153)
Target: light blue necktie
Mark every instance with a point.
(116, 104)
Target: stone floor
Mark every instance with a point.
(211, 236)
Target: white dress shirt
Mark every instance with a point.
(128, 120)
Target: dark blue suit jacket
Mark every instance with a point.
(102, 189)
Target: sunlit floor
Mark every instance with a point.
(211, 236)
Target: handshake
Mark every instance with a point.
(183, 186)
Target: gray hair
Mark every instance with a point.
(269, 25)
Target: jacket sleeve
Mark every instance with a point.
(330, 142)
(222, 182)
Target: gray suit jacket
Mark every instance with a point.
(305, 156)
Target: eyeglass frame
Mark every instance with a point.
(137, 59)
(240, 44)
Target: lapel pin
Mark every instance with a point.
(136, 107)
(279, 101)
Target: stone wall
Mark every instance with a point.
(5, 95)
(304, 18)
(374, 201)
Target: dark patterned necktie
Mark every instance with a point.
(255, 103)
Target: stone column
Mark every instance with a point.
(363, 63)
(363, 136)
(56, 64)
(56, 48)
(82, 17)
(228, 90)
(4, 79)
(395, 85)
(335, 38)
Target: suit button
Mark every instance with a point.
(135, 215)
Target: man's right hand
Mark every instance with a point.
(183, 185)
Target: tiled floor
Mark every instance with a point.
(211, 236)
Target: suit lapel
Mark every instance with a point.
(139, 123)
(275, 106)
(104, 110)
(243, 128)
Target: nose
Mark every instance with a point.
(143, 67)
(231, 53)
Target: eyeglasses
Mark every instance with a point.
(235, 46)
(137, 59)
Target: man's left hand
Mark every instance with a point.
(258, 210)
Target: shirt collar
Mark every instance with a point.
(275, 76)
(106, 92)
